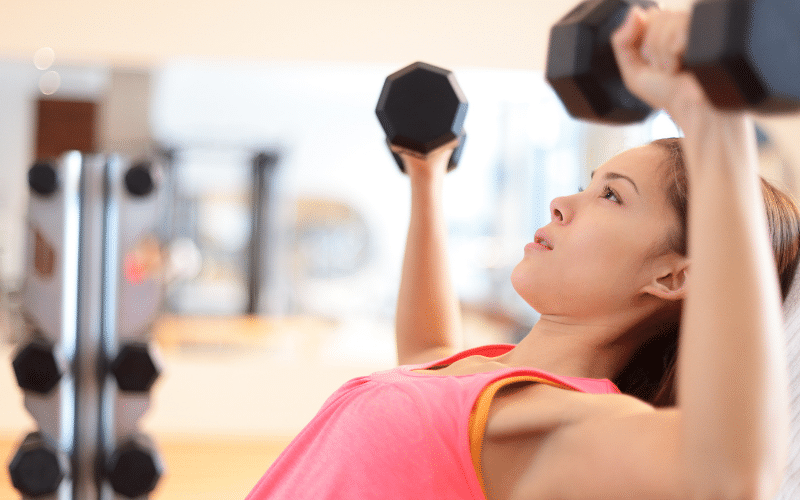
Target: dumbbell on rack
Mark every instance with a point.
(44, 364)
(421, 107)
(39, 466)
(132, 464)
(88, 365)
(744, 53)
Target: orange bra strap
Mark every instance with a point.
(480, 415)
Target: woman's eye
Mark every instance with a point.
(610, 194)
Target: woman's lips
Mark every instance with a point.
(536, 246)
(541, 241)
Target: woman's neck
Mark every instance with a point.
(589, 349)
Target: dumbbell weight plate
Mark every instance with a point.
(139, 180)
(37, 366)
(38, 467)
(136, 367)
(455, 157)
(421, 107)
(135, 467)
(746, 53)
(43, 178)
(582, 68)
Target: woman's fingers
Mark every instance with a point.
(653, 38)
(637, 57)
(665, 39)
(444, 148)
(436, 159)
(627, 41)
(649, 47)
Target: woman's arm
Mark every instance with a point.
(732, 384)
(428, 319)
(732, 380)
(727, 439)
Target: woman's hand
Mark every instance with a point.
(435, 162)
(649, 48)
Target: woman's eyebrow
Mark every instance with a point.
(613, 175)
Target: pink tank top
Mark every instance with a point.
(396, 434)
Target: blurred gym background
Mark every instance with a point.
(285, 215)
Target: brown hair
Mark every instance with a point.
(650, 374)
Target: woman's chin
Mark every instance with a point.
(526, 292)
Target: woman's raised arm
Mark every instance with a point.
(732, 385)
(428, 319)
(732, 380)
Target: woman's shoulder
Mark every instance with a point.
(531, 420)
(541, 407)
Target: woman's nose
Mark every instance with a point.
(560, 210)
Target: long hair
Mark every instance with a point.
(651, 372)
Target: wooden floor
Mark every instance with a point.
(197, 470)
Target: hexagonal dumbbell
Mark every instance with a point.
(135, 467)
(37, 366)
(135, 367)
(582, 68)
(744, 53)
(38, 467)
(422, 107)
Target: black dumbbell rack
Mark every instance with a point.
(92, 290)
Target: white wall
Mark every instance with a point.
(18, 82)
(465, 33)
(503, 33)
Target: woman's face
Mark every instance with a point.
(603, 244)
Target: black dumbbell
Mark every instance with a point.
(36, 366)
(422, 107)
(43, 178)
(135, 467)
(135, 367)
(140, 180)
(745, 54)
(38, 467)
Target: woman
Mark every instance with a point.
(612, 275)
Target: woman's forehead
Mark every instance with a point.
(641, 164)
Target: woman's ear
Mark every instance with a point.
(669, 283)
